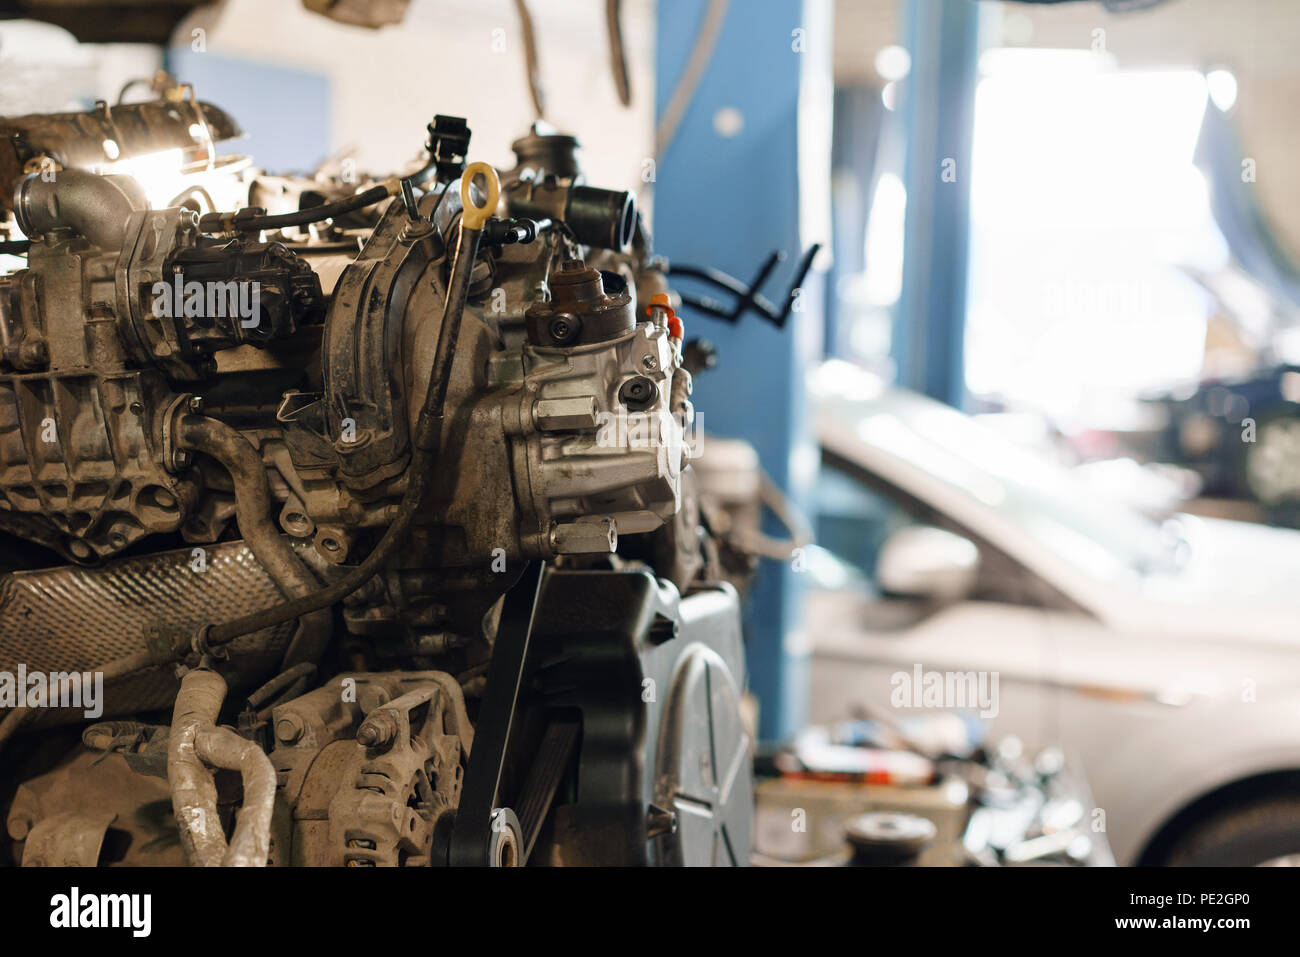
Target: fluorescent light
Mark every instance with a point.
(1223, 88)
(893, 62)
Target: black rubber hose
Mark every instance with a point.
(427, 438)
(314, 214)
(281, 681)
(253, 512)
(224, 222)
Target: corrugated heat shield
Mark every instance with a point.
(77, 619)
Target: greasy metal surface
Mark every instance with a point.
(76, 140)
(371, 763)
(705, 765)
(74, 619)
(67, 840)
(87, 785)
(81, 467)
(655, 676)
(342, 803)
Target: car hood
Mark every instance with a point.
(1241, 581)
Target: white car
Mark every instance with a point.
(1165, 656)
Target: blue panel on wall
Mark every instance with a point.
(728, 201)
(284, 111)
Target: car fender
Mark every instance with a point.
(1216, 745)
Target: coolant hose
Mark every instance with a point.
(196, 739)
(253, 512)
(427, 428)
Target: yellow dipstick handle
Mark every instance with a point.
(474, 217)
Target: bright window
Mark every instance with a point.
(1087, 215)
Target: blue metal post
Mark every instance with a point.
(939, 111)
(727, 197)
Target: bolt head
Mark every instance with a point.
(289, 728)
(376, 731)
(564, 328)
(34, 352)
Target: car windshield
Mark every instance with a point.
(1104, 538)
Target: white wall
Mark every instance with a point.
(461, 57)
(44, 69)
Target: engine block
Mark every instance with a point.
(313, 477)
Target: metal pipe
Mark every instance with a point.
(92, 206)
(531, 69)
(617, 50)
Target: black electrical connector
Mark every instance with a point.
(503, 232)
(448, 145)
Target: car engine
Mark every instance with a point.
(363, 517)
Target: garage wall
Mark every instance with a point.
(462, 57)
(43, 69)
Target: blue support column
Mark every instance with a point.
(727, 199)
(939, 112)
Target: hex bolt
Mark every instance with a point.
(660, 821)
(564, 328)
(196, 404)
(290, 728)
(650, 363)
(377, 730)
(34, 352)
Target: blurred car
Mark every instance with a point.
(1242, 436)
(1165, 655)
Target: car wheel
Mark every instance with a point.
(1263, 832)
(1271, 461)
